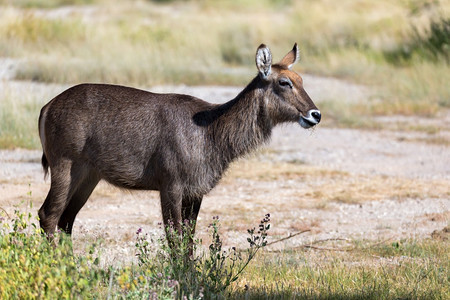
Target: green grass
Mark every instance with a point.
(31, 267)
(408, 269)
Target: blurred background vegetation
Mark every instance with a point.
(399, 49)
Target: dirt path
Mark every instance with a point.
(337, 183)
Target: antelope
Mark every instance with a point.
(176, 144)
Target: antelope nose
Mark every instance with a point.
(316, 115)
(311, 119)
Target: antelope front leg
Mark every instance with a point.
(189, 213)
(171, 204)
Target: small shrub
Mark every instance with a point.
(208, 274)
(33, 267)
(433, 44)
(436, 43)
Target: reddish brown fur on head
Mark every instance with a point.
(289, 101)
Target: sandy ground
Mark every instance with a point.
(364, 166)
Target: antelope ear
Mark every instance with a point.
(263, 61)
(291, 58)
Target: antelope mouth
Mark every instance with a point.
(311, 119)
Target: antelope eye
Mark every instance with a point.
(285, 82)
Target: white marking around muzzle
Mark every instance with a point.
(308, 120)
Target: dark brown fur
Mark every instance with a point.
(176, 144)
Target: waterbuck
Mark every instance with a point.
(177, 144)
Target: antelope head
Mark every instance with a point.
(284, 96)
